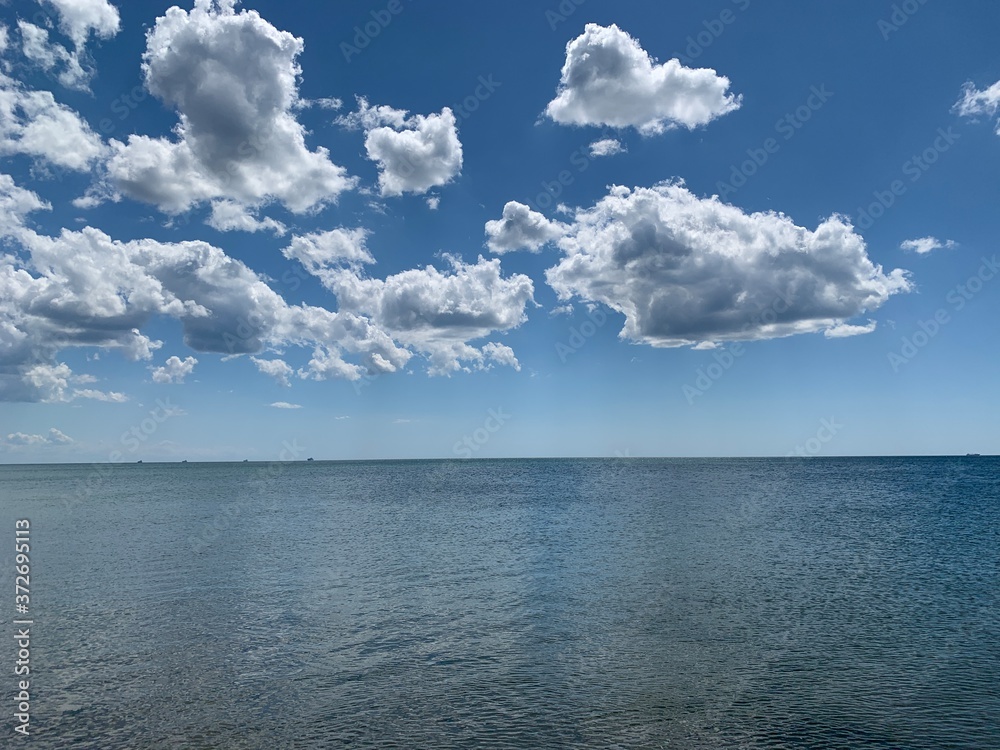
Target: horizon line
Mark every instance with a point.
(491, 458)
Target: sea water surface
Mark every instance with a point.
(605, 603)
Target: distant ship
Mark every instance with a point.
(139, 461)
(308, 459)
(972, 454)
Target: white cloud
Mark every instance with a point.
(52, 57)
(608, 79)
(232, 77)
(57, 436)
(111, 396)
(924, 245)
(16, 203)
(49, 383)
(322, 250)
(520, 228)
(276, 368)
(175, 370)
(501, 354)
(414, 154)
(433, 202)
(685, 270)
(439, 313)
(843, 330)
(331, 102)
(33, 123)
(285, 405)
(975, 103)
(607, 147)
(84, 289)
(21, 439)
(228, 215)
(78, 20)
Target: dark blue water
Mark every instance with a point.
(621, 603)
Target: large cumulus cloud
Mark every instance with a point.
(608, 79)
(685, 270)
(233, 80)
(85, 289)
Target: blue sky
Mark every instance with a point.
(396, 229)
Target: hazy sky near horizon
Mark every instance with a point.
(395, 229)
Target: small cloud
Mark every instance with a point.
(975, 103)
(433, 202)
(413, 153)
(521, 228)
(340, 418)
(705, 345)
(330, 102)
(276, 368)
(285, 405)
(111, 397)
(403, 421)
(174, 370)
(229, 216)
(22, 440)
(501, 355)
(844, 330)
(925, 245)
(607, 147)
(57, 436)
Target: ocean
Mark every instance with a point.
(593, 603)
